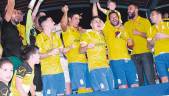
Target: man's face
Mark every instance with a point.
(131, 11)
(114, 19)
(17, 16)
(48, 23)
(154, 16)
(75, 20)
(97, 24)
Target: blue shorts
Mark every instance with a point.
(162, 64)
(53, 84)
(79, 75)
(124, 71)
(102, 79)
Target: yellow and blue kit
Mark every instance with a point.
(161, 48)
(101, 76)
(52, 71)
(78, 68)
(120, 61)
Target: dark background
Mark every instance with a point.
(53, 8)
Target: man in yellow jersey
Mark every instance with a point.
(120, 61)
(137, 28)
(101, 76)
(50, 47)
(159, 37)
(22, 82)
(78, 69)
(93, 42)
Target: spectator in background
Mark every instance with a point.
(22, 82)
(11, 41)
(137, 28)
(6, 73)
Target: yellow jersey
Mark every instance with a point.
(51, 64)
(162, 45)
(22, 30)
(26, 73)
(117, 46)
(96, 56)
(71, 37)
(142, 25)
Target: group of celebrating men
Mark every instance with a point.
(98, 58)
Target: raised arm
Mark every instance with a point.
(64, 20)
(36, 9)
(101, 9)
(94, 10)
(29, 21)
(9, 10)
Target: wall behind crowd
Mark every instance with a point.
(56, 14)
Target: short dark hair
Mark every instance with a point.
(28, 51)
(111, 12)
(134, 4)
(71, 14)
(3, 61)
(94, 17)
(42, 19)
(156, 10)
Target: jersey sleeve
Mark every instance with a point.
(84, 38)
(21, 72)
(60, 45)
